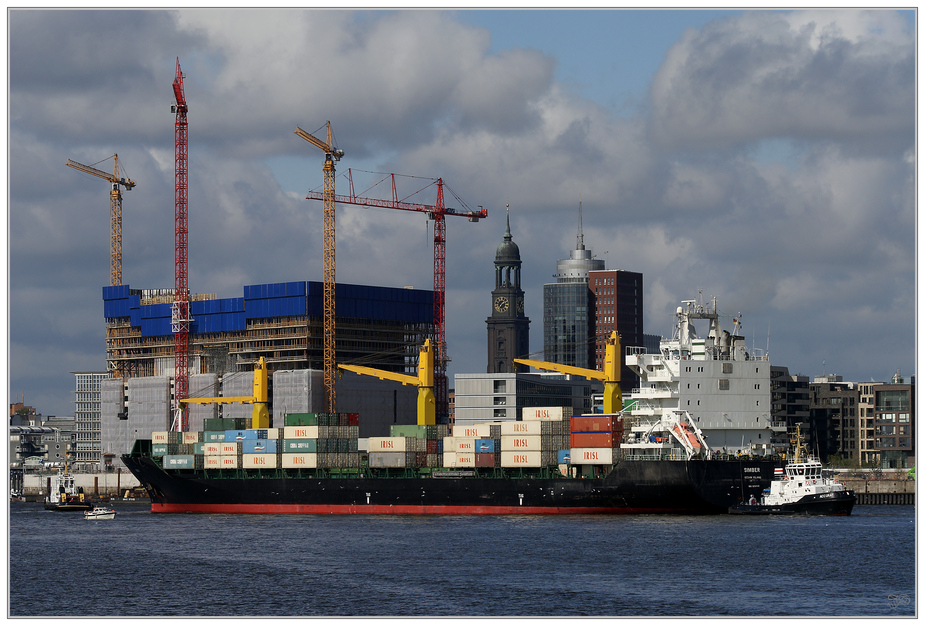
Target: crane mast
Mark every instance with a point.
(331, 154)
(180, 314)
(115, 212)
(437, 212)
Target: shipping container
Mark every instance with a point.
(484, 459)
(160, 449)
(300, 419)
(228, 461)
(212, 462)
(230, 448)
(180, 461)
(301, 432)
(592, 456)
(199, 448)
(212, 448)
(458, 459)
(393, 444)
(523, 458)
(564, 457)
(300, 445)
(211, 436)
(549, 413)
(521, 428)
(485, 445)
(408, 430)
(299, 459)
(160, 437)
(473, 431)
(259, 446)
(387, 459)
(259, 461)
(592, 440)
(596, 424)
(239, 435)
(192, 437)
(521, 442)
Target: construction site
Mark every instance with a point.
(168, 347)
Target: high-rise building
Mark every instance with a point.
(617, 305)
(508, 327)
(87, 417)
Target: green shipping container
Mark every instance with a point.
(300, 445)
(301, 419)
(409, 430)
(213, 436)
(159, 449)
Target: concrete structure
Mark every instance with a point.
(87, 418)
(502, 396)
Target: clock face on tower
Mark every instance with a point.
(501, 304)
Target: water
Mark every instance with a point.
(142, 564)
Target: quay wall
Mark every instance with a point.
(112, 484)
(889, 491)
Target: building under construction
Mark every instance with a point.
(380, 327)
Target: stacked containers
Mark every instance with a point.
(409, 445)
(594, 438)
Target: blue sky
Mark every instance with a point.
(765, 157)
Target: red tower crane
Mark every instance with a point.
(437, 212)
(180, 314)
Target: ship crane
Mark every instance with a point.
(437, 212)
(610, 375)
(261, 415)
(180, 313)
(331, 154)
(115, 212)
(424, 381)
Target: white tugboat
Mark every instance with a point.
(800, 488)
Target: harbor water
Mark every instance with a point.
(144, 564)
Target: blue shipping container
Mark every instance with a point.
(232, 436)
(485, 445)
(259, 446)
(565, 457)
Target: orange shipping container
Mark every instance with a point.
(592, 440)
(596, 424)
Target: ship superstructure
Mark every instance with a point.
(700, 396)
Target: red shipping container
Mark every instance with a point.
(484, 459)
(592, 440)
(596, 424)
(432, 446)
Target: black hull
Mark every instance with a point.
(697, 486)
(67, 507)
(838, 503)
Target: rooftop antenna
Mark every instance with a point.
(581, 235)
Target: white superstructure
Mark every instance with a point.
(710, 390)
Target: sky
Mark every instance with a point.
(764, 158)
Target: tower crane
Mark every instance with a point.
(331, 154)
(437, 212)
(180, 313)
(115, 212)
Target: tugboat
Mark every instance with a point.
(799, 488)
(65, 496)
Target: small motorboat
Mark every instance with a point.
(100, 512)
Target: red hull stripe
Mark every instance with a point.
(386, 509)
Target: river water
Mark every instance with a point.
(144, 564)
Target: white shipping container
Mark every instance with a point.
(521, 428)
(298, 432)
(272, 433)
(546, 414)
(228, 461)
(521, 442)
(458, 459)
(386, 459)
(259, 460)
(230, 448)
(464, 444)
(474, 431)
(159, 437)
(210, 449)
(191, 437)
(211, 462)
(299, 459)
(524, 458)
(391, 444)
(592, 456)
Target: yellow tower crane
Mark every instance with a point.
(613, 398)
(260, 417)
(424, 381)
(331, 154)
(115, 212)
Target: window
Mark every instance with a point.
(500, 412)
(727, 368)
(500, 386)
(724, 384)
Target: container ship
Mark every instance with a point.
(696, 437)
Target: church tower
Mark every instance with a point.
(508, 328)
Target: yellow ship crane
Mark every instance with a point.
(261, 416)
(613, 398)
(331, 154)
(115, 212)
(424, 381)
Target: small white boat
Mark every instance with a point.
(100, 513)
